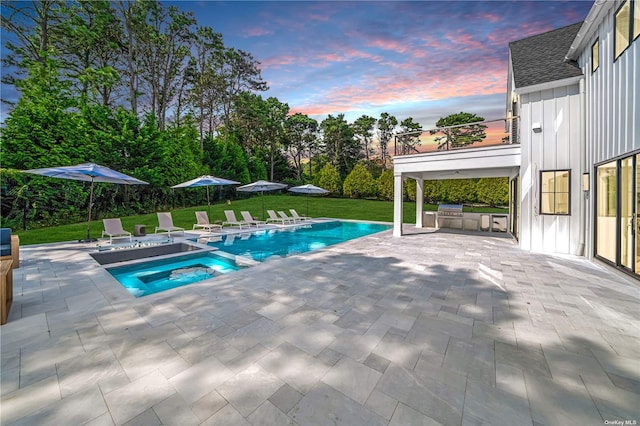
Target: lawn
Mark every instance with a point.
(340, 208)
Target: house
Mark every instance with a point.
(573, 160)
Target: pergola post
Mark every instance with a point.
(397, 205)
(419, 201)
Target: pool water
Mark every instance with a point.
(147, 278)
(284, 242)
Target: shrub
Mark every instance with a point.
(359, 183)
(329, 179)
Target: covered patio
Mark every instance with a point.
(491, 161)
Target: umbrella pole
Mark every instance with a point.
(262, 197)
(307, 206)
(88, 240)
(208, 203)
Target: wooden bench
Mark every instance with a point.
(6, 289)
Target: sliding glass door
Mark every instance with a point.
(617, 211)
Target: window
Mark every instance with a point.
(623, 27)
(595, 56)
(554, 191)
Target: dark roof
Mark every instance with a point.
(541, 58)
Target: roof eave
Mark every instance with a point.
(598, 10)
(549, 85)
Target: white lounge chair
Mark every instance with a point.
(113, 228)
(203, 222)
(165, 223)
(232, 221)
(284, 216)
(295, 215)
(246, 216)
(273, 217)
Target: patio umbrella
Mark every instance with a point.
(207, 181)
(88, 172)
(309, 190)
(261, 186)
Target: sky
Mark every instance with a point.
(419, 59)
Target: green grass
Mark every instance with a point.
(340, 208)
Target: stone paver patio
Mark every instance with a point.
(427, 329)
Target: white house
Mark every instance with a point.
(574, 156)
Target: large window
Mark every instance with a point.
(554, 191)
(623, 28)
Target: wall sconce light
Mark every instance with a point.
(536, 127)
(585, 182)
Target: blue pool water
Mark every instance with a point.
(151, 277)
(285, 242)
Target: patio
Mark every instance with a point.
(431, 328)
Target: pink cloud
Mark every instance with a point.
(388, 45)
(277, 61)
(256, 32)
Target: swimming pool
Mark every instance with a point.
(147, 278)
(283, 242)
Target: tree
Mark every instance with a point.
(464, 133)
(300, 134)
(363, 129)
(329, 179)
(44, 128)
(408, 142)
(165, 40)
(340, 146)
(359, 183)
(386, 125)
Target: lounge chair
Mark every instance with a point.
(273, 217)
(295, 215)
(284, 216)
(232, 221)
(250, 220)
(113, 228)
(203, 222)
(165, 223)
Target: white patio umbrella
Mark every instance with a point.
(207, 181)
(261, 186)
(309, 190)
(88, 172)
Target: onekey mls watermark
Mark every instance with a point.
(628, 422)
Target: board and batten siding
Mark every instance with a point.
(613, 92)
(557, 147)
(612, 112)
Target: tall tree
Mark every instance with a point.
(341, 148)
(301, 132)
(89, 49)
(459, 130)
(411, 137)
(386, 125)
(201, 71)
(34, 26)
(237, 72)
(363, 130)
(166, 41)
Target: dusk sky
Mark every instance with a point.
(420, 59)
(423, 59)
